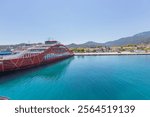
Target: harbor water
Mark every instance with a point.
(82, 78)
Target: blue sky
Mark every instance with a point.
(71, 21)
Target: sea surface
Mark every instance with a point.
(82, 78)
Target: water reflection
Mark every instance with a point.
(51, 71)
(80, 57)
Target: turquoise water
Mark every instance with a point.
(82, 77)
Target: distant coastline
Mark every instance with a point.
(137, 44)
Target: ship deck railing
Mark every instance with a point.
(21, 54)
(14, 56)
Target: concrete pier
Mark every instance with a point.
(109, 54)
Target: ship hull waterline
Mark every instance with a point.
(51, 61)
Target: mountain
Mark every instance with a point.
(73, 45)
(90, 44)
(85, 45)
(140, 38)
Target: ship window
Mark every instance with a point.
(37, 50)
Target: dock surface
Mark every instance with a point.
(109, 54)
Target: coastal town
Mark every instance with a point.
(136, 44)
(125, 49)
(141, 48)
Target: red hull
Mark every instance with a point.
(32, 61)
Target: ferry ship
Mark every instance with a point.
(36, 55)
